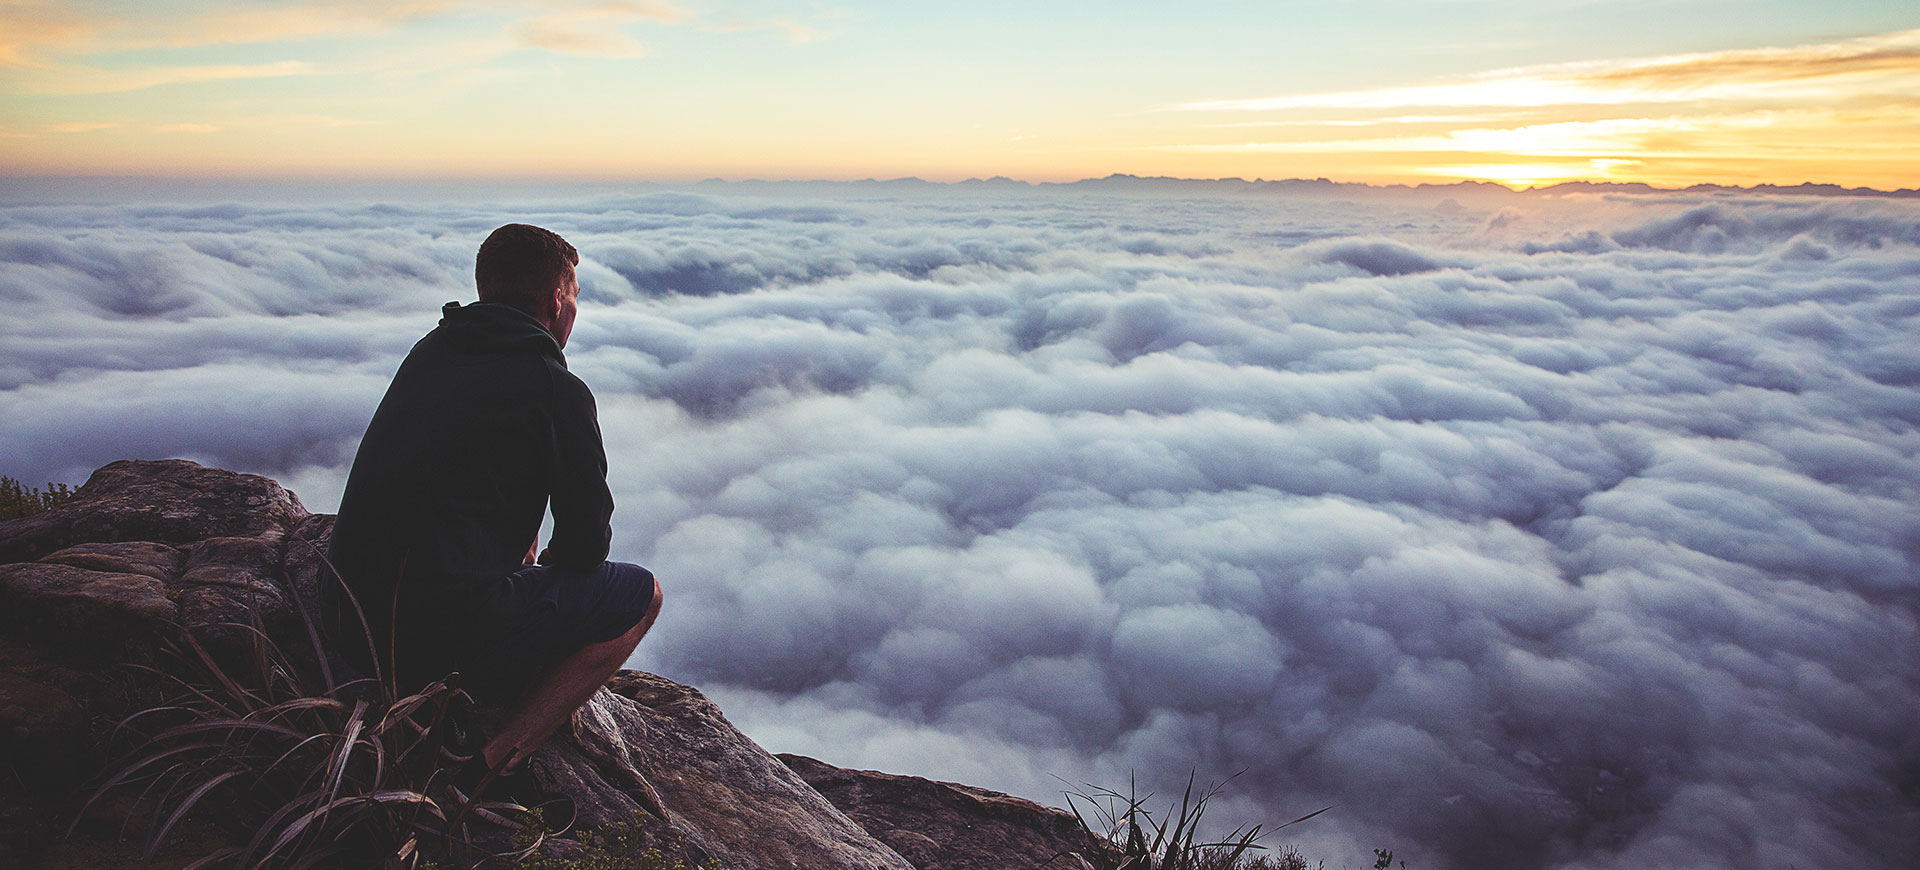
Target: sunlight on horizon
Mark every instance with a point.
(745, 89)
(1519, 175)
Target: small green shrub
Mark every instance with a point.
(19, 500)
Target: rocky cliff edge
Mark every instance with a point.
(91, 591)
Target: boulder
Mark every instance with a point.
(62, 603)
(144, 549)
(648, 746)
(949, 826)
(169, 501)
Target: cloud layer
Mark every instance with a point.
(1569, 532)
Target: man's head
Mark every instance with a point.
(530, 269)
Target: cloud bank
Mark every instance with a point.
(1574, 532)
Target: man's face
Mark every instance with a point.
(566, 307)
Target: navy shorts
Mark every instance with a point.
(558, 612)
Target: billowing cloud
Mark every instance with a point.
(1527, 531)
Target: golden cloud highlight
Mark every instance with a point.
(29, 29)
(1864, 66)
(1751, 114)
(594, 31)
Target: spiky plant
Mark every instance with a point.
(1141, 840)
(309, 770)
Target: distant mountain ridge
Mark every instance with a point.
(32, 190)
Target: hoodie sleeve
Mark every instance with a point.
(581, 503)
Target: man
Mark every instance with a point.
(481, 431)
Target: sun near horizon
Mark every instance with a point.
(1383, 92)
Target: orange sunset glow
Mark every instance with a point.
(681, 91)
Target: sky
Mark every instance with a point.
(1525, 530)
(1380, 91)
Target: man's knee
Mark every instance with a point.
(648, 615)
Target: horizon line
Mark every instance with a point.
(997, 181)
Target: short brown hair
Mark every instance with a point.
(520, 264)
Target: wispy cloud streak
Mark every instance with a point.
(108, 81)
(1756, 113)
(1876, 66)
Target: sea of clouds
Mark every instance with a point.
(1525, 531)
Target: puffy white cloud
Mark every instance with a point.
(1542, 531)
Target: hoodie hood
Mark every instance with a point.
(490, 326)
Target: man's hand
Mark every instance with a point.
(533, 551)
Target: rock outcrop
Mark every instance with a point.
(947, 825)
(148, 550)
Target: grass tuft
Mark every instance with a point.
(1139, 839)
(300, 768)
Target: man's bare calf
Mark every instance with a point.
(554, 699)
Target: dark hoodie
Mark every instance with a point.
(481, 426)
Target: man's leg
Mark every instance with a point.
(552, 700)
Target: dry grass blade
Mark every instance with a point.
(237, 695)
(495, 813)
(403, 709)
(379, 769)
(180, 811)
(284, 756)
(297, 705)
(342, 753)
(126, 723)
(359, 612)
(381, 797)
(1181, 838)
(228, 726)
(273, 823)
(214, 857)
(469, 803)
(327, 679)
(130, 772)
(1305, 817)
